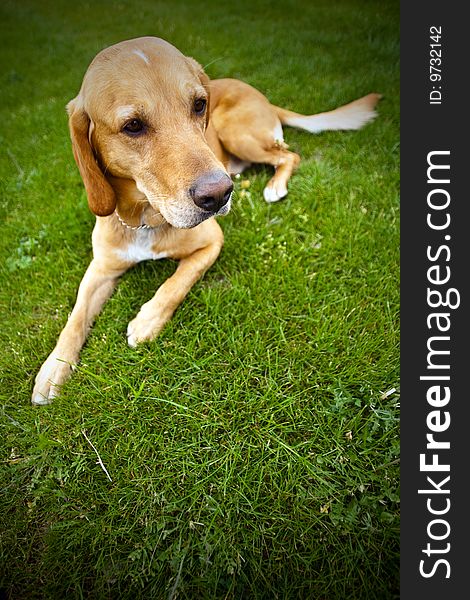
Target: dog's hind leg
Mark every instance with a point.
(285, 163)
(265, 146)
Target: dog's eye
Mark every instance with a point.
(134, 127)
(200, 106)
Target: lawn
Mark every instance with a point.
(252, 450)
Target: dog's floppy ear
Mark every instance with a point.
(101, 197)
(204, 79)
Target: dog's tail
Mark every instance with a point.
(350, 116)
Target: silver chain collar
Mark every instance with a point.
(136, 227)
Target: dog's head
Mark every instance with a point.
(141, 114)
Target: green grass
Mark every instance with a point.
(252, 447)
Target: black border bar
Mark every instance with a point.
(435, 396)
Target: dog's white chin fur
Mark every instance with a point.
(188, 219)
(225, 208)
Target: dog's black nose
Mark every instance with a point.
(211, 191)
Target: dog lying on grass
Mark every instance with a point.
(156, 142)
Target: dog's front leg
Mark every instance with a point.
(96, 287)
(155, 313)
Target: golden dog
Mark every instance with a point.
(155, 141)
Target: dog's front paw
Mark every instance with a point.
(145, 327)
(53, 373)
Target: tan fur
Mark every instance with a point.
(147, 179)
